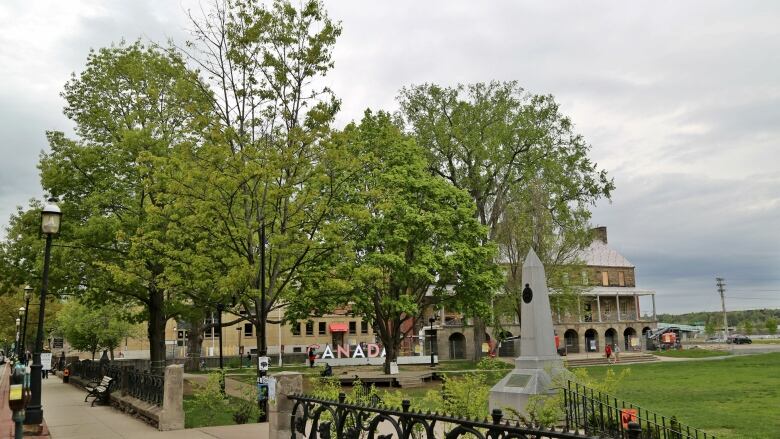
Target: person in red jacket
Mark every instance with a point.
(608, 353)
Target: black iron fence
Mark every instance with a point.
(315, 418)
(600, 414)
(142, 385)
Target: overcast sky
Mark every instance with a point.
(680, 101)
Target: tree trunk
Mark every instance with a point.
(479, 337)
(111, 351)
(391, 352)
(194, 344)
(156, 331)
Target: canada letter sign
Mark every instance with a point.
(372, 351)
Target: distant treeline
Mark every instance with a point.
(755, 318)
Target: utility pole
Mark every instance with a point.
(722, 290)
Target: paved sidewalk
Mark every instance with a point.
(68, 416)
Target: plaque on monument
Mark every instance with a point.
(518, 380)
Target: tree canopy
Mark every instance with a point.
(416, 241)
(131, 105)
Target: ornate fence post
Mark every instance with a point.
(123, 380)
(634, 430)
(172, 414)
(280, 408)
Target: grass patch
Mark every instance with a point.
(692, 353)
(731, 398)
(766, 341)
(195, 417)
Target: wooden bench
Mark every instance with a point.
(100, 391)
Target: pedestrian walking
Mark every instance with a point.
(616, 351)
(608, 353)
(312, 357)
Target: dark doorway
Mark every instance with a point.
(571, 340)
(457, 346)
(507, 347)
(591, 340)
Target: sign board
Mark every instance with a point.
(485, 348)
(393, 368)
(263, 363)
(626, 416)
(57, 343)
(15, 393)
(271, 388)
(46, 360)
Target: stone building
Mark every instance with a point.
(614, 309)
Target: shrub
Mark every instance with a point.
(246, 408)
(489, 363)
(208, 396)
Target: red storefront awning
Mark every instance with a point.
(338, 327)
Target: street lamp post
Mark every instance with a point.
(50, 226)
(431, 320)
(240, 353)
(27, 295)
(220, 308)
(20, 348)
(18, 337)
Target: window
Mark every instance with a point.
(364, 327)
(584, 275)
(565, 278)
(353, 327)
(621, 279)
(296, 328)
(213, 331)
(298, 349)
(248, 329)
(605, 278)
(321, 329)
(310, 328)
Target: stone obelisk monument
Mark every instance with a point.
(538, 361)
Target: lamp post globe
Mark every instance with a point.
(18, 337)
(51, 217)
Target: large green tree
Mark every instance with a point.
(132, 105)
(89, 329)
(417, 239)
(254, 201)
(519, 159)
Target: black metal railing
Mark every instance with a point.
(315, 418)
(144, 386)
(600, 414)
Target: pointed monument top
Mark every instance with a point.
(531, 260)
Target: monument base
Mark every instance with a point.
(531, 376)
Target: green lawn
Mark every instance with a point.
(692, 353)
(737, 397)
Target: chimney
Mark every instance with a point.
(600, 233)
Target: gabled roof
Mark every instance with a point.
(601, 255)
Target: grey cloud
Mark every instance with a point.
(678, 99)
